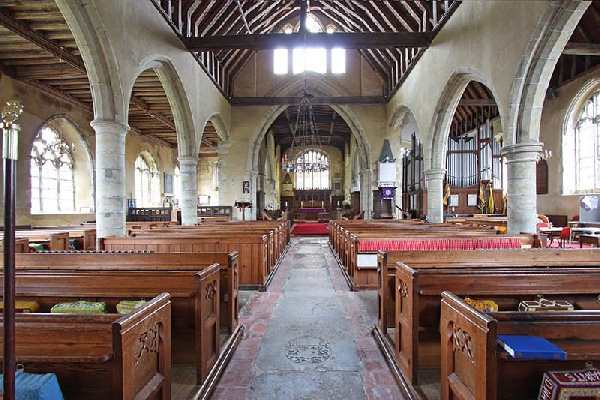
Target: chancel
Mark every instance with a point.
(300, 199)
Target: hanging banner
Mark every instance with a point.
(388, 193)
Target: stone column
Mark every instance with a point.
(434, 180)
(366, 197)
(521, 162)
(189, 189)
(111, 205)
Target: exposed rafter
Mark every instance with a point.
(582, 49)
(373, 40)
(219, 31)
(274, 101)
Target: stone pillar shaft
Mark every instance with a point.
(111, 204)
(189, 189)
(521, 162)
(434, 179)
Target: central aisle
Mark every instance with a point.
(306, 337)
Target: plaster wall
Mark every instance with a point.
(487, 38)
(75, 128)
(206, 169)
(256, 78)
(554, 115)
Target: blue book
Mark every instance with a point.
(533, 347)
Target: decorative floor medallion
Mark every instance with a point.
(308, 348)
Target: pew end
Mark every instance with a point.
(101, 356)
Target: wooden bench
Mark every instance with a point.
(101, 356)
(193, 284)
(386, 267)
(473, 367)
(592, 240)
(278, 234)
(252, 250)
(21, 245)
(418, 294)
(361, 254)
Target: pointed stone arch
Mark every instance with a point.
(533, 75)
(178, 100)
(87, 28)
(434, 152)
(320, 87)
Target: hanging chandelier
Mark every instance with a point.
(305, 137)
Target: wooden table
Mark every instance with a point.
(552, 232)
(587, 230)
(592, 240)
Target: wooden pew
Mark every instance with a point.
(278, 234)
(473, 367)
(21, 245)
(251, 249)
(193, 284)
(361, 254)
(101, 356)
(418, 294)
(386, 267)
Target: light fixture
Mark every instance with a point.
(305, 137)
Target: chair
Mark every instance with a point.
(565, 234)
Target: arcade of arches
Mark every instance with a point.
(462, 108)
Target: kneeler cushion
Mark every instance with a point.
(79, 307)
(35, 386)
(571, 385)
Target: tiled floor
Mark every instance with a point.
(308, 337)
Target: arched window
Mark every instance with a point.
(147, 182)
(52, 181)
(581, 150)
(312, 170)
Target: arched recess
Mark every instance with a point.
(100, 61)
(317, 86)
(83, 159)
(533, 75)
(409, 162)
(435, 150)
(178, 101)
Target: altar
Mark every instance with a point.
(311, 213)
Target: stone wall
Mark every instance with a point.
(556, 112)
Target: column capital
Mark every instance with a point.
(434, 173)
(108, 126)
(187, 160)
(522, 152)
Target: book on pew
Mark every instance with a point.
(532, 347)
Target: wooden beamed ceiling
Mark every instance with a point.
(332, 130)
(476, 105)
(210, 141)
(38, 49)
(582, 52)
(210, 20)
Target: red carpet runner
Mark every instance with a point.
(310, 229)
